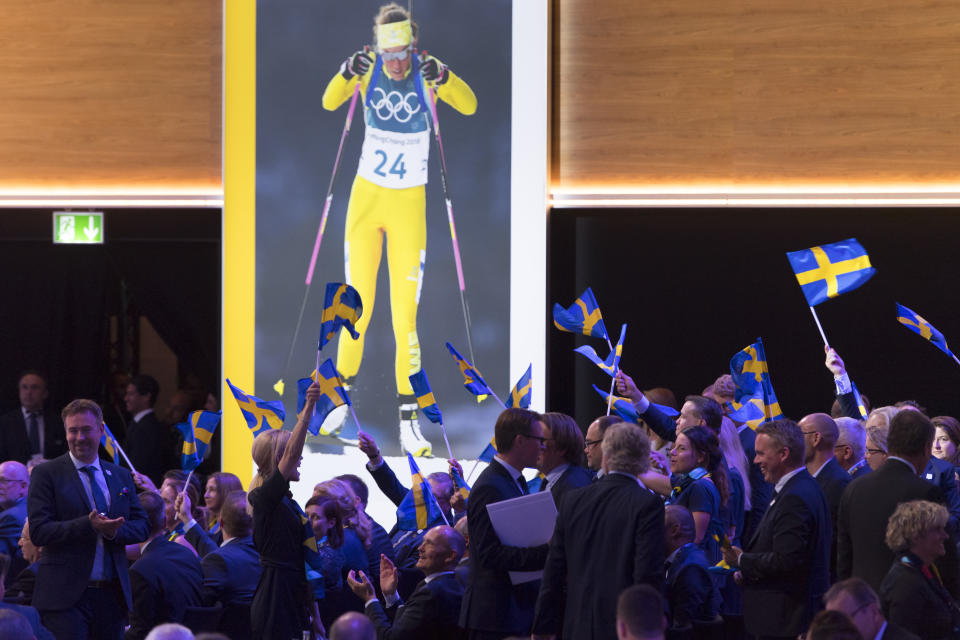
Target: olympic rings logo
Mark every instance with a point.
(395, 105)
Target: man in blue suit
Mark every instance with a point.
(83, 511)
(14, 480)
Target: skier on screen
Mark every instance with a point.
(388, 197)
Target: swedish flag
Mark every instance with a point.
(459, 484)
(341, 308)
(827, 271)
(109, 443)
(623, 407)
(522, 392)
(583, 316)
(197, 432)
(472, 379)
(489, 451)
(332, 394)
(261, 415)
(924, 329)
(750, 374)
(612, 363)
(425, 400)
(419, 509)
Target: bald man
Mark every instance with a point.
(352, 626)
(820, 435)
(14, 481)
(690, 589)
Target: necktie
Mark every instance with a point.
(33, 433)
(101, 501)
(543, 481)
(523, 484)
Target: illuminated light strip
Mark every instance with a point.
(766, 199)
(208, 201)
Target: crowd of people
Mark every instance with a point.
(687, 527)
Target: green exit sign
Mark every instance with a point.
(77, 228)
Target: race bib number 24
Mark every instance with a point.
(395, 160)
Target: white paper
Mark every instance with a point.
(527, 521)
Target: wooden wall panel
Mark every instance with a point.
(755, 93)
(110, 94)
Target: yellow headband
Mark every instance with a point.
(394, 34)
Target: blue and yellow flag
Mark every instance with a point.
(750, 374)
(109, 443)
(924, 329)
(612, 363)
(425, 400)
(583, 316)
(623, 407)
(197, 432)
(341, 308)
(489, 451)
(472, 379)
(261, 415)
(332, 394)
(861, 406)
(537, 484)
(459, 484)
(419, 509)
(827, 271)
(522, 392)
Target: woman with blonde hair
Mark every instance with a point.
(282, 606)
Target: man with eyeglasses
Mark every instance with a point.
(856, 599)
(388, 197)
(851, 447)
(14, 481)
(591, 443)
(493, 607)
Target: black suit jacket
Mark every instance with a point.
(58, 510)
(608, 536)
(14, 443)
(942, 474)
(786, 566)
(430, 614)
(231, 573)
(866, 506)
(166, 580)
(833, 479)
(149, 446)
(691, 592)
(572, 478)
(761, 491)
(917, 604)
(491, 602)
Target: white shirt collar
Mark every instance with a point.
(556, 472)
(786, 477)
(817, 472)
(513, 472)
(80, 465)
(136, 417)
(226, 539)
(436, 575)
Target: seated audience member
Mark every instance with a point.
(640, 614)
(912, 593)
(219, 485)
(832, 625)
(608, 536)
(353, 626)
(170, 631)
(785, 567)
(856, 599)
(700, 484)
(463, 567)
(165, 580)
(14, 626)
(868, 502)
(231, 573)
(21, 587)
(14, 482)
(946, 442)
(562, 459)
(851, 446)
(29, 613)
(591, 443)
(691, 593)
(433, 608)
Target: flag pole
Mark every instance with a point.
(323, 223)
(955, 358)
(130, 464)
(443, 430)
(820, 327)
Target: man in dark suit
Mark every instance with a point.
(31, 431)
(691, 593)
(857, 600)
(231, 573)
(820, 435)
(165, 580)
(432, 609)
(83, 511)
(608, 536)
(868, 503)
(493, 607)
(13, 500)
(149, 443)
(785, 567)
(561, 462)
